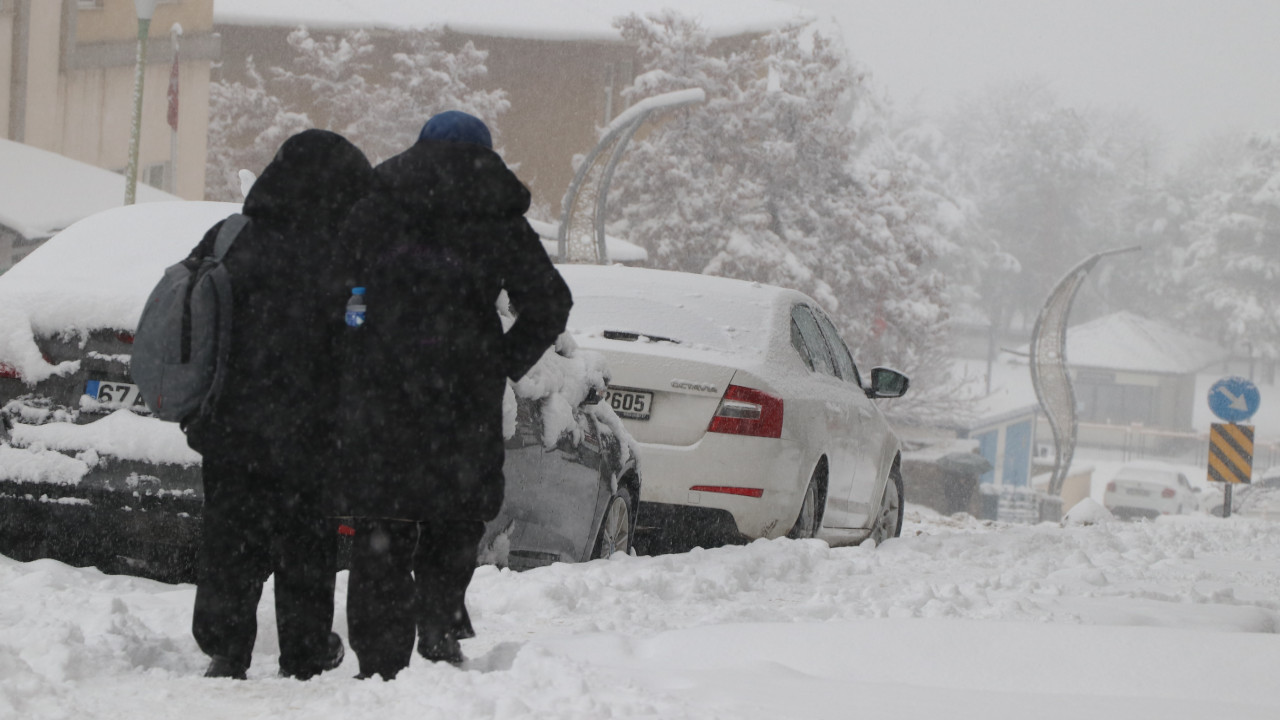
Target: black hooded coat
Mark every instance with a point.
(279, 404)
(268, 440)
(440, 235)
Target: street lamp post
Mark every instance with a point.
(145, 9)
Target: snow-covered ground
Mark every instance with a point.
(957, 619)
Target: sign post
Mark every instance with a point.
(1230, 459)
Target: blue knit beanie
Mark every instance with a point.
(457, 126)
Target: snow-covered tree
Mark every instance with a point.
(246, 126)
(1232, 265)
(1041, 183)
(375, 94)
(772, 180)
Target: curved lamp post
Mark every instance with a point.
(145, 9)
(616, 135)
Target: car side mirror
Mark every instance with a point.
(886, 383)
(593, 397)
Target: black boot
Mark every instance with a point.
(334, 654)
(223, 667)
(440, 646)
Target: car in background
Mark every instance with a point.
(751, 416)
(1149, 490)
(89, 477)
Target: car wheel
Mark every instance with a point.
(810, 517)
(889, 519)
(615, 528)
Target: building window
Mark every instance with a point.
(1116, 404)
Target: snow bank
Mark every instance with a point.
(958, 619)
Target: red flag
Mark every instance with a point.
(173, 93)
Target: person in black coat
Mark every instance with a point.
(269, 437)
(438, 238)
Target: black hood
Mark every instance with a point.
(450, 179)
(311, 184)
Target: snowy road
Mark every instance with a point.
(957, 619)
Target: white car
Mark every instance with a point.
(1149, 490)
(751, 416)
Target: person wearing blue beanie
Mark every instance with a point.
(457, 126)
(436, 240)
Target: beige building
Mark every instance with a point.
(563, 73)
(67, 77)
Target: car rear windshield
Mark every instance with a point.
(702, 322)
(1162, 477)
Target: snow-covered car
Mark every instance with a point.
(1149, 490)
(751, 417)
(89, 477)
(42, 192)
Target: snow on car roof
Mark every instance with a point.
(61, 287)
(534, 19)
(619, 250)
(42, 192)
(1149, 471)
(699, 311)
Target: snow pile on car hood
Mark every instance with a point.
(121, 434)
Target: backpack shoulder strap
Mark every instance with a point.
(227, 234)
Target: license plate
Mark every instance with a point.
(1141, 493)
(628, 403)
(115, 393)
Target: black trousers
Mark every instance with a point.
(407, 577)
(256, 523)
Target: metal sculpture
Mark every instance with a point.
(1049, 373)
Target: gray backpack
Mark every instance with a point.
(180, 346)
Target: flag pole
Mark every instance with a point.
(175, 33)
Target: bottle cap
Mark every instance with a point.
(357, 291)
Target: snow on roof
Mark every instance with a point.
(1125, 341)
(536, 19)
(42, 192)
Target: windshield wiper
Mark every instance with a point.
(634, 336)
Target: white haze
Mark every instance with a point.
(1194, 67)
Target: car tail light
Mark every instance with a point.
(125, 337)
(1111, 487)
(9, 371)
(744, 411)
(1167, 493)
(730, 490)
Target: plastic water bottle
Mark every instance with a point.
(355, 308)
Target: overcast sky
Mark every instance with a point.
(1193, 66)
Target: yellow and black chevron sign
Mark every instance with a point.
(1230, 453)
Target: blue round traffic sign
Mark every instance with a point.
(1234, 399)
